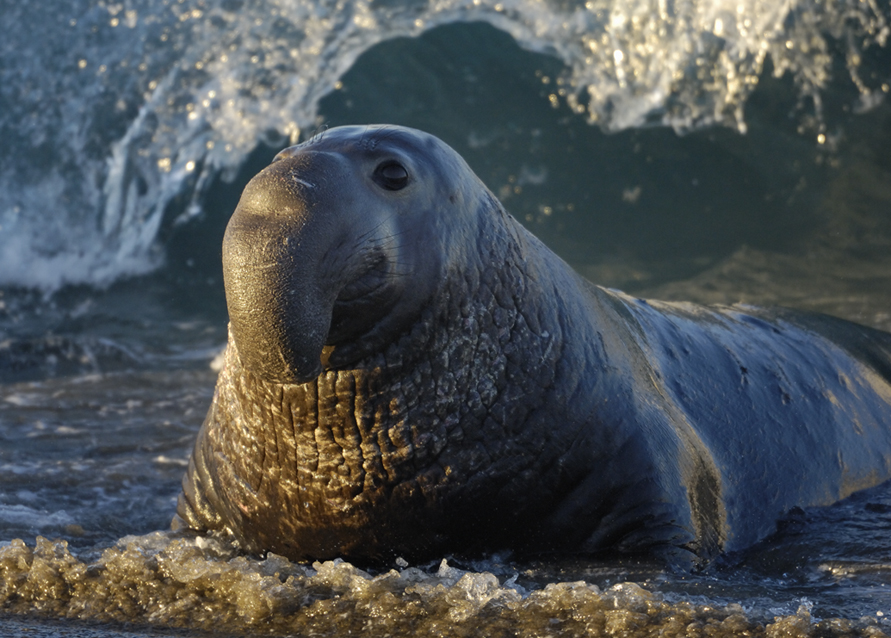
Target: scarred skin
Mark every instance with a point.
(410, 372)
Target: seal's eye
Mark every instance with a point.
(391, 175)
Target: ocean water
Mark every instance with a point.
(717, 151)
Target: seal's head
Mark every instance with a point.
(336, 245)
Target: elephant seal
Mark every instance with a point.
(410, 372)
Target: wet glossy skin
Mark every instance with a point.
(410, 372)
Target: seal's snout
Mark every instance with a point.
(279, 314)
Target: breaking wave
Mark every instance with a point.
(117, 116)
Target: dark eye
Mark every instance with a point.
(391, 175)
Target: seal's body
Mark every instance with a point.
(410, 372)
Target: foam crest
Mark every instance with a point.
(197, 583)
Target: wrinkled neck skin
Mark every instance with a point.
(430, 391)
